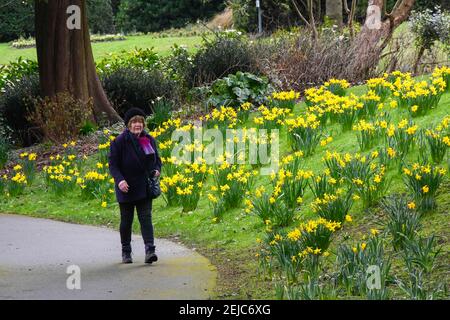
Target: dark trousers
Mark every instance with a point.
(144, 212)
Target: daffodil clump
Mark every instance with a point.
(165, 130)
(381, 87)
(403, 220)
(243, 112)
(366, 178)
(337, 86)
(170, 163)
(305, 133)
(223, 118)
(367, 134)
(444, 73)
(28, 162)
(315, 234)
(217, 206)
(69, 147)
(354, 261)
(189, 194)
(291, 181)
(271, 118)
(17, 182)
(231, 182)
(337, 109)
(169, 185)
(189, 188)
(438, 140)
(333, 207)
(419, 97)
(423, 181)
(269, 206)
(97, 184)
(372, 103)
(401, 137)
(323, 183)
(284, 99)
(104, 145)
(297, 252)
(61, 178)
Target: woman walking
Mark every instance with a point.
(133, 156)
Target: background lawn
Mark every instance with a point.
(101, 49)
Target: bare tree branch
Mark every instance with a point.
(8, 3)
(312, 23)
(300, 14)
(397, 3)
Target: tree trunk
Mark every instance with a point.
(334, 11)
(419, 56)
(66, 62)
(375, 34)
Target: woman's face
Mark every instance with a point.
(136, 127)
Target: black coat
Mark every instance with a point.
(124, 165)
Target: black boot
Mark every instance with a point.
(126, 257)
(150, 255)
(126, 254)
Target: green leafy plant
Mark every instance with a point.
(237, 89)
(161, 112)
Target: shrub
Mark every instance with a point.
(131, 87)
(139, 58)
(178, 65)
(60, 118)
(15, 105)
(219, 57)
(304, 62)
(4, 149)
(15, 71)
(430, 26)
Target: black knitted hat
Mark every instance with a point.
(131, 113)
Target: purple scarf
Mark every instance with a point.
(146, 145)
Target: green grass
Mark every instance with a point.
(102, 49)
(231, 244)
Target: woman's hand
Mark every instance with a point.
(156, 173)
(123, 186)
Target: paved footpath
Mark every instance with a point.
(36, 255)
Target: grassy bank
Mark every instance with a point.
(231, 244)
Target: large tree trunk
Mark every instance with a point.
(66, 62)
(374, 37)
(334, 11)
